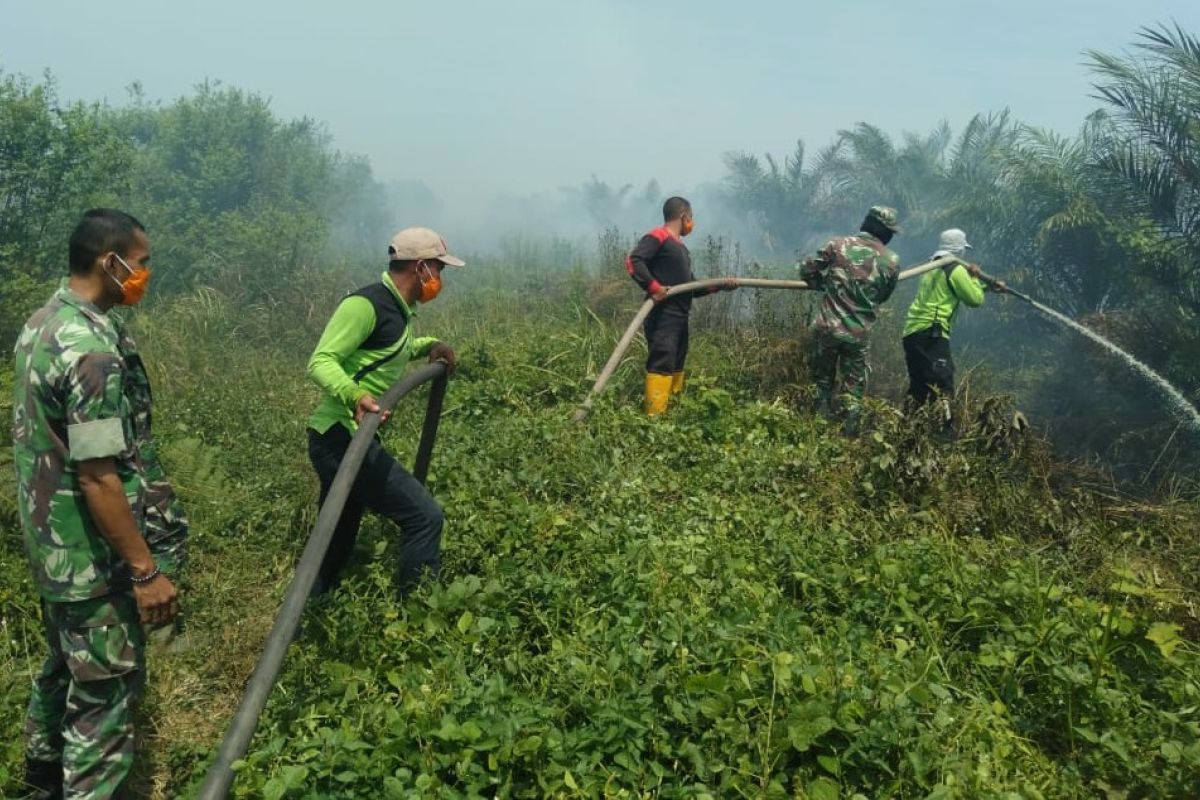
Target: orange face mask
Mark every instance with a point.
(133, 289)
(431, 286)
(686, 225)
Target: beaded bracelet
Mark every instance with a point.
(154, 573)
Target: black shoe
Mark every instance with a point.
(43, 780)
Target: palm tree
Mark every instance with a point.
(1057, 220)
(1154, 94)
(871, 169)
(788, 203)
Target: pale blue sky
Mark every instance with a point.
(528, 95)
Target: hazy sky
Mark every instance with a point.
(526, 95)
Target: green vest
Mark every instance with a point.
(366, 345)
(938, 298)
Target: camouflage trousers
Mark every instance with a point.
(839, 370)
(81, 710)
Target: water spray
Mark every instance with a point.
(1180, 405)
(1183, 410)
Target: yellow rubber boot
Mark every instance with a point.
(677, 383)
(658, 392)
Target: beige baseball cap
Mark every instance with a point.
(416, 244)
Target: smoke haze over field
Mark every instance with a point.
(480, 101)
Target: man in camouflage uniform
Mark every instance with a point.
(856, 274)
(101, 524)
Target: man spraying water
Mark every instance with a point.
(932, 315)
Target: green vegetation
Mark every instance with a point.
(732, 601)
(738, 602)
(735, 600)
(1104, 225)
(219, 181)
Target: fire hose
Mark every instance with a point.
(715, 283)
(241, 728)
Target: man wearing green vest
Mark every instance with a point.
(365, 348)
(932, 315)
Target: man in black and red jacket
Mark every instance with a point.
(658, 262)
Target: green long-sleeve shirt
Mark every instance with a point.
(938, 298)
(361, 353)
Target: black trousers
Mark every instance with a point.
(927, 356)
(388, 489)
(666, 330)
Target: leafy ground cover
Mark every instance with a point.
(733, 601)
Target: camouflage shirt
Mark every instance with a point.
(856, 273)
(81, 392)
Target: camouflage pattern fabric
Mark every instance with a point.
(856, 274)
(885, 216)
(81, 710)
(80, 392)
(166, 525)
(839, 370)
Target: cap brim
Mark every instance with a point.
(451, 261)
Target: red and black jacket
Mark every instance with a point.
(659, 260)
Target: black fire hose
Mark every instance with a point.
(241, 728)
